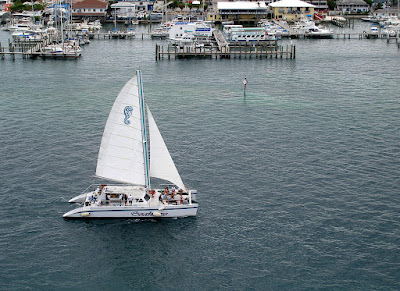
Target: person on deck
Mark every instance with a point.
(178, 199)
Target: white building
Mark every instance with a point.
(124, 10)
(242, 11)
(292, 10)
(89, 9)
(142, 5)
(352, 6)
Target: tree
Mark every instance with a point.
(331, 4)
(17, 6)
(369, 2)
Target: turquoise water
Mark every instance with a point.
(298, 181)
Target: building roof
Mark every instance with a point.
(351, 2)
(123, 5)
(90, 4)
(291, 3)
(95, 14)
(241, 5)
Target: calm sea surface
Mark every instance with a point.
(298, 181)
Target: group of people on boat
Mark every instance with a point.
(167, 196)
(173, 196)
(125, 199)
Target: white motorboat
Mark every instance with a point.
(318, 32)
(115, 33)
(159, 33)
(124, 156)
(373, 32)
(391, 30)
(180, 41)
(249, 34)
(57, 51)
(26, 36)
(308, 28)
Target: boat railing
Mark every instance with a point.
(191, 194)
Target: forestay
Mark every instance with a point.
(121, 154)
(161, 164)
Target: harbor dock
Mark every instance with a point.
(261, 50)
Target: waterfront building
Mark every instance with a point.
(90, 9)
(320, 5)
(386, 12)
(242, 11)
(292, 10)
(142, 5)
(352, 6)
(123, 10)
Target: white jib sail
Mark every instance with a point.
(121, 156)
(161, 164)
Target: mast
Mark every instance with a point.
(62, 27)
(144, 134)
(115, 18)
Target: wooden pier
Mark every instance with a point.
(26, 50)
(265, 50)
(108, 35)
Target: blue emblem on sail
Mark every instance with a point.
(128, 113)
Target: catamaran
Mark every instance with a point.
(130, 156)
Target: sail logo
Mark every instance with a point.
(128, 113)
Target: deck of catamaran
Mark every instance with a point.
(127, 201)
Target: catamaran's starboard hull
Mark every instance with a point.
(170, 211)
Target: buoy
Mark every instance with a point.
(244, 84)
(156, 214)
(85, 214)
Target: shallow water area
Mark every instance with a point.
(297, 180)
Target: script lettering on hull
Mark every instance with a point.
(146, 214)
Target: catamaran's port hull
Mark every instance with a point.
(170, 211)
(80, 198)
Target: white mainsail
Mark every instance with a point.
(161, 164)
(121, 155)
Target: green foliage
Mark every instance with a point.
(18, 6)
(39, 7)
(331, 4)
(369, 2)
(174, 4)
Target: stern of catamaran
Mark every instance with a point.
(193, 195)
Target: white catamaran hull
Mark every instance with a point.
(169, 211)
(80, 198)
